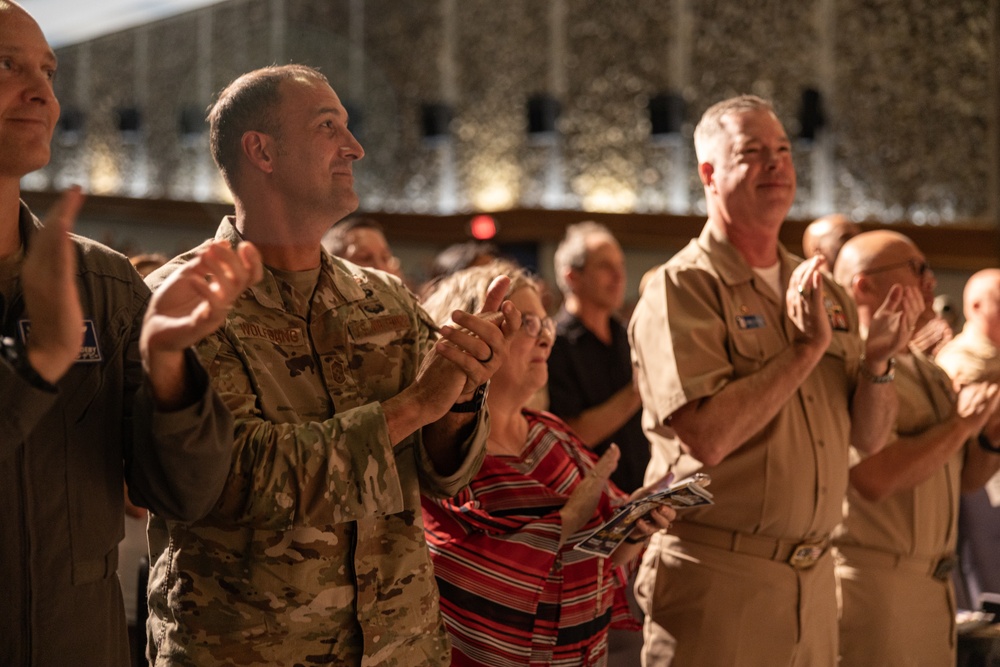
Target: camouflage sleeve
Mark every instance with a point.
(300, 474)
(472, 450)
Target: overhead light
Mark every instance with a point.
(483, 227)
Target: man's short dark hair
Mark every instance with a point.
(249, 104)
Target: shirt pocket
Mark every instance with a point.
(380, 352)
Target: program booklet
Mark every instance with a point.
(689, 492)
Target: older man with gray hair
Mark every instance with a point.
(752, 369)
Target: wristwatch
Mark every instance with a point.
(475, 403)
(15, 354)
(890, 374)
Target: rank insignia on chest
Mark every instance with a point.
(750, 321)
(838, 320)
(379, 325)
(90, 350)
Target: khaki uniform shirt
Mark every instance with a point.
(893, 611)
(707, 319)
(921, 521)
(969, 357)
(315, 553)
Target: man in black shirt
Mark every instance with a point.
(590, 371)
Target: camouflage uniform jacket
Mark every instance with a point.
(315, 553)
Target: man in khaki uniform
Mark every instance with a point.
(750, 368)
(827, 235)
(974, 356)
(896, 546)
(346, 411)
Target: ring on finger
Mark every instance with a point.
(487, 359)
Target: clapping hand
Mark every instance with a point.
(189, 305)
(804, 303)
(51, 297)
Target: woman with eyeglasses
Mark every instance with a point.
(514, 591)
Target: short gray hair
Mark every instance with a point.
(466, 289)
(572, 250)
(710, 127)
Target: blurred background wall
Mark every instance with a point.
(586, 106)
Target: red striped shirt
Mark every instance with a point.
(509, 594)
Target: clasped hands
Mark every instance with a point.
(470, 350)
(889, 332)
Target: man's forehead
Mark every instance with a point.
(20, 33)
(602, 244)
(322, 98)
(895, 250)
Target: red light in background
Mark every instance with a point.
(483, 227)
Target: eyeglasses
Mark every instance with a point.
(917, 266)
(533, 325)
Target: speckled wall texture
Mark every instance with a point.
(910, 127)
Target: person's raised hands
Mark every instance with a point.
(976, 403)
(194, 301)
(189, 305)
(478, 343)
(804, 303)
(892, 325)
(51, 297)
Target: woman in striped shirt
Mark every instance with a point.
(513, 589)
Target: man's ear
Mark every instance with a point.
(259, 149)
(706, 171)
(861, 286)
(570, 276)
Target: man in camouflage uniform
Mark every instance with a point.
(346, 410)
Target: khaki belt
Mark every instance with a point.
(938, 568)
(800, 555)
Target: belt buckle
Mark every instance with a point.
(805, 554)
(944, 567)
